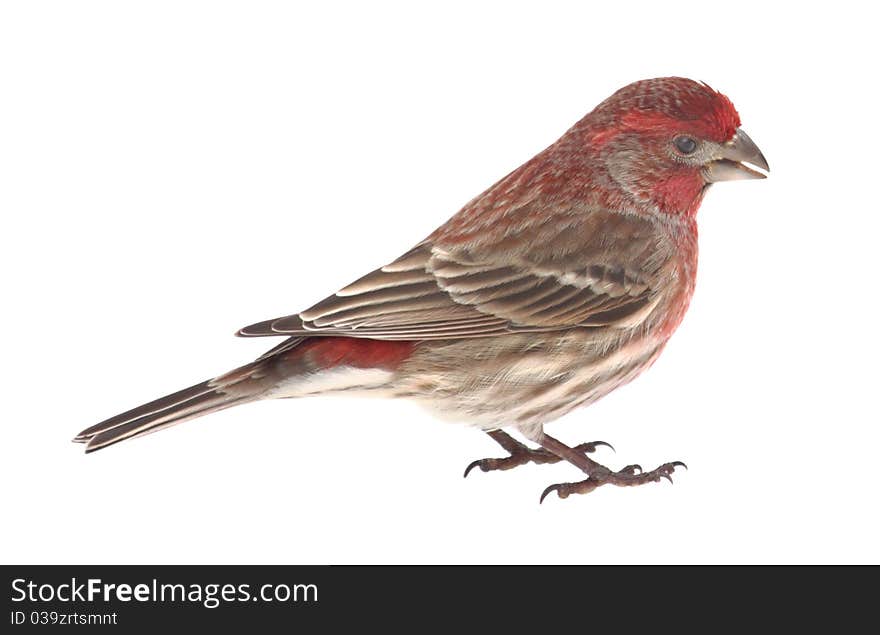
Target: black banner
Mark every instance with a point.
(318, 599)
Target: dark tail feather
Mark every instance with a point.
(239, 386)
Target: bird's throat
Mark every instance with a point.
(679, 194)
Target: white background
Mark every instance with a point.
(171, 171)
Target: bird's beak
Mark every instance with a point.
(729, 165)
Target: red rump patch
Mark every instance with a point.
(330, 352)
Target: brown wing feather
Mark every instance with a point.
(598, 270)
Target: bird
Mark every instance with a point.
(558, 284)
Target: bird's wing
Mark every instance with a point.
(579, 269)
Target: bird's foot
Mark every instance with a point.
(629, 476)
(521, 454)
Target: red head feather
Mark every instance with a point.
(578, 166)
(669, 103)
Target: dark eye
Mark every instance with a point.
(685, 145)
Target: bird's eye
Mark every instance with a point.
(685, 145)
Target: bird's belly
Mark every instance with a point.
(520, 380)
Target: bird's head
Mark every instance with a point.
(664, 141)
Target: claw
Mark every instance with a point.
(679, 464)
(552, 488)
(590, 447)
(473, 464)
(667, 477)
(632, 469)
(596, 444)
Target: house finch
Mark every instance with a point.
(558, 284)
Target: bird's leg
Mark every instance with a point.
(598, 475)
(521, 454)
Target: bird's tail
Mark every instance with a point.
(239, 386)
